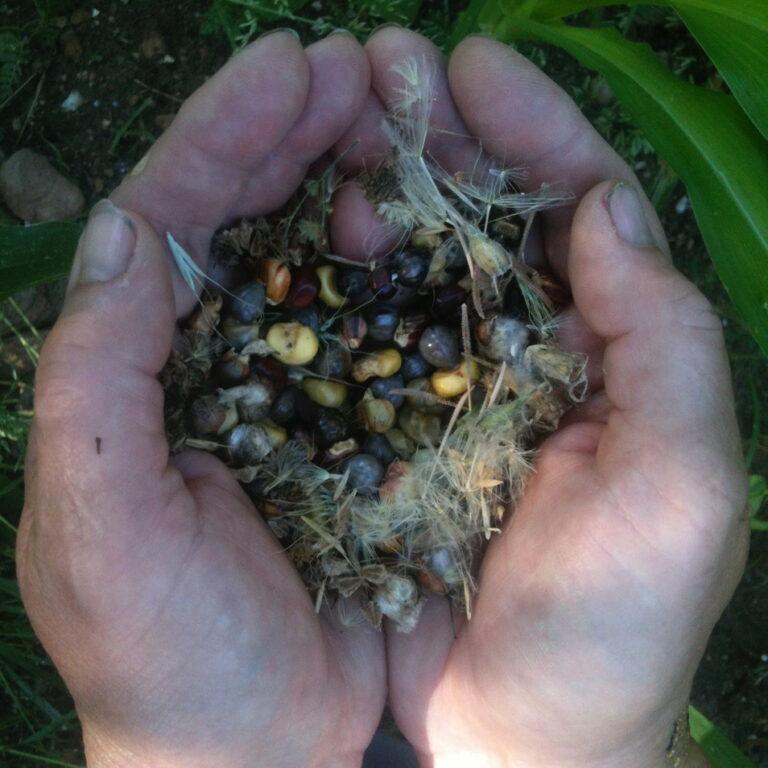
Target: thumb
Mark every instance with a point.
(98, 440)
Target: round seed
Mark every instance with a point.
(333, 362)
(283, 408)
(414, 367)
(239, 334)
(330, 427)
(376, 415)
(454, 382)
(304, 288)
(365, 473)
(330, 394)
(380, 448)
(384, 363)
(382, 323)
(210, 417)
(308, 316)
(354, 284)
(249, 444)
(380, 282)
(277, 279)
(248, 302)
(382, 388)
(439, 346)
(292, 343)
(413, 269)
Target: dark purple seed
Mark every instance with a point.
(447, 302)
(365, 473)
(304, 288)
(306, 409)
(330, 427)
(380, 448)
(382, 389)
(308, 316)
(353, 331)
(380, 282)
(333, 362)
(283, 408)
(413, 269)
(439, 346)
(382, 324)
(270, 370)
(247, 304)
(353, 283)
(415, 367)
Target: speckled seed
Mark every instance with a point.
(247, 304)
(376, 415)
(414, 366)
(365, 473)
(454, 381)
(329, 292)
(249, 444)
(384, 363)
(330, 394)
(292, 343)
(330, 426)
(383, 388)
(380, 447)
(333, 361)
(439, 346)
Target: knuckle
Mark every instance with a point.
(693, 310)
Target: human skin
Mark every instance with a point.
(182, 631)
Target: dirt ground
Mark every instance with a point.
(129, 65)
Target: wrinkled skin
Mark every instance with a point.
(182, 631)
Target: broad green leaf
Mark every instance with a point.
(758, 495)
(720, 751)
(35, 254)
(735, 36)
(706, 139)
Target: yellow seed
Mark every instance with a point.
(277, 435)
(329, 292)
(383, 364)
(292, 343)
(454, 382)
(330, 394)
(376, 414)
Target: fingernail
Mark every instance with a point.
(343, 32)
(385, 25)
(626, 210)
(278, 29)
(108, 243)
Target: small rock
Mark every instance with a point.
(72, 102)
(35, 191)
(152, 44)
(70, 45)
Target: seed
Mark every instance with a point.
(292, 343)
(382, 323)
(353, 331)
(304, 288)
(380, 447)
(365, 473)
(413, 269)
(454, 382)
(329, 292)
(247, 305)
(393, 477)
(409, 330)
(353, 283)
(503, 337)
(415, 366)
(439, 346)
(489, 255)
(380, 282)
(333, 362)
(330, 394)
(383, 364)
(308, 316)
(330, 427)
(252, 400)
(507, 231)
(249, 444)
(422, 397)
(421, 427)
(398, 599)
(403, 446)
(425, 238)
(210, 417)
(206, 315)
(277, 434)
(306, 409)
(233, 368)
(375, 414)
(239, 334)
(340, 450)
(283, 408)
(429, 581)
(277, 279)
(448, 301)
(269, 371)
(383, 388)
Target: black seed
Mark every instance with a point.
(247, 304)
(413, 269)
(448, 301)
(380, 448)
(439, 346)
(365, 473)
(382, 324)
(353, 283)
(415, 367)
(333, 362)
(330, 427)
(382, 388)
(308, 316)
(380, 282)
(283, 408)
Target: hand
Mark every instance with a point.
(182, 631)
(596, 601)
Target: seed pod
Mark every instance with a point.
(292, 343)
(365, 473)
(277, 434)
(333, 361)
(283, 408)
(247, 305)
(380, 447)
(414, 367)
(489, 255)
(398, 599)
(502, 337)
(233, 368)
(338, 451)
(402, 445)
(382, 323)
(454, 382)
(383, 388)
(409, 330)
(210, 417)
(248, 444)
(330, 427)
(329, 292)
(353, 283)
(420, 427)
(353, 331)
(304, 288)
(330, 394)
(439, 346)
(277, 279)
(375, 415)
(422, 397)
(206, 315)
(238, 334)
(383, 364)
(380, 282)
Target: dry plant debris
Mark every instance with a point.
(381, 416)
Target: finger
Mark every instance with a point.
(574, 335)
(665, 366)
(525, 120)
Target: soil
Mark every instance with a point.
(134, 62)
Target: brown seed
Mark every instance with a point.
(277, 279)
(430, 582)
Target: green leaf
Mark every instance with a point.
(758, 494)
(706, 139)
(400, 11)
(735, 36)
(480, 16)
(720, 751)
(35, 254)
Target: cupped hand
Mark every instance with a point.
(596, 601)
(182, 631)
